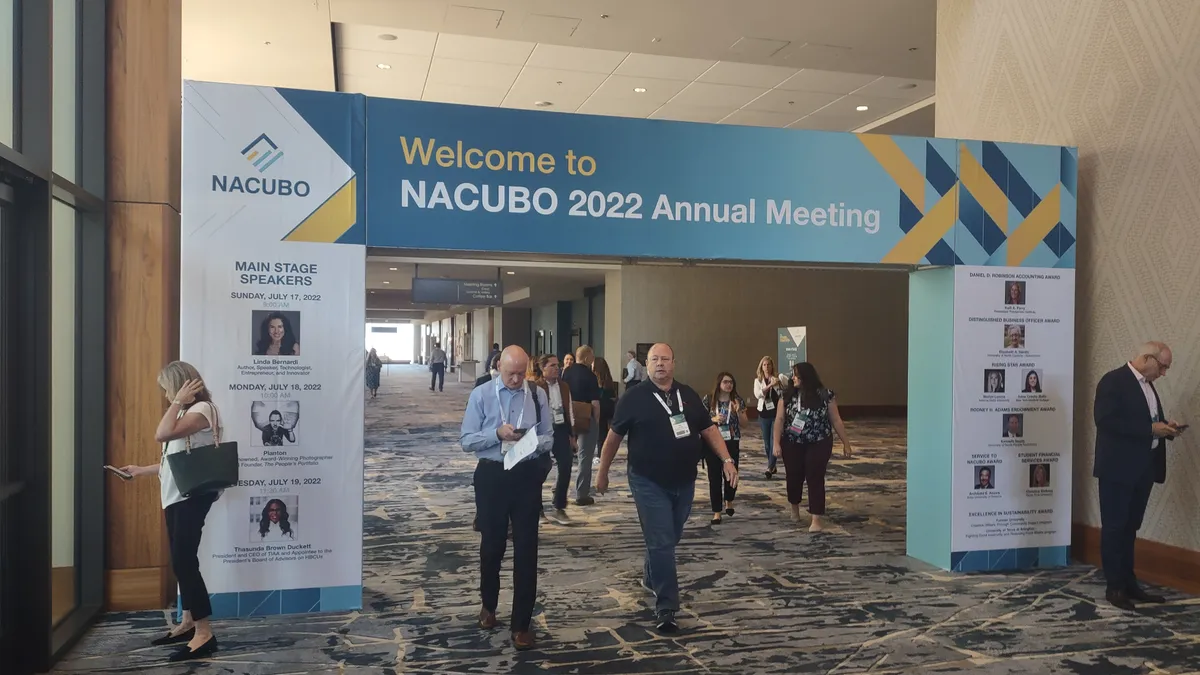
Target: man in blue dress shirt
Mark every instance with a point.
(498, 415)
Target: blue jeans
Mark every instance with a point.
(767, 424)
(662, 512)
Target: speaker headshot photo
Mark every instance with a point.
(1014, 425)
(1032, 384)
(983, 478)
(275, 519)
(275, 333)
(1014, 292)
(1014, 336)
(276, 423)
(1039, 475)
(993, 381)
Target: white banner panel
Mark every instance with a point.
(276, 329)
(1014, 336)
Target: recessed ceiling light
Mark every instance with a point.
(657, 39)
(387, 37)
(267, 43)
(603, 16)
(862, 108)
(511, 273)
(543, 104)
(639, 90)
(913, 49)
(383, 66)
(393, 268)
(909, 85)
(387, 282)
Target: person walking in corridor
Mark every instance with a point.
(585, 393)
(437, 368)
(1132, 432)
(728, 411)
(499, 415)
(559, 396)
(804, 426)
(768, 390)
(667, 426)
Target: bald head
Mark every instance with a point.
(1152, 360)
(660, 362)
(513, 363)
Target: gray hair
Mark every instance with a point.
(1153, 349)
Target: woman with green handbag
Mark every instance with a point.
(190, 423)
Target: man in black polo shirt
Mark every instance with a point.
(585, 388)
(667, 425)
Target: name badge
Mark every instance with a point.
(680, 426)
(798, 422)
(559, 418)
(725, 433)
(769, 405)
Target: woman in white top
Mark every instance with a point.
(768, 390)
(189, 421)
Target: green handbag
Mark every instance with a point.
(208, 468)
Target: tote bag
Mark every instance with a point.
(208, 468)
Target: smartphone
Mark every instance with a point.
(520, 432)
(1182, 427)
(114, 470)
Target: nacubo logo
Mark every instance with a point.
(262, 153)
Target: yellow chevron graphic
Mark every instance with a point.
(898, 166)
(1036, 226)
(331, 219)
(917, 242)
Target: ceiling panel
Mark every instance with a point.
(898, 87)
(656, 90)
(378, 39)
(481, 49)
(473, 73)
(400, 67)
(566, 89)
(746, 74)
(575, 58)
(830, 82)
(758, 118)
(702, 94)
(453, 93)
(663, 67)
(684, 113)
(876, 107)
(619, 107)
(380, 87)
(784, 101)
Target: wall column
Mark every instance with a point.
(1120, 79)
(144, 112)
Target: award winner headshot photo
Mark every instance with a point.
(276, 423)
(1014, 292)
(1014, 336)
(276, 333)
(993, 381)
(274, 520)
(983, 478)
(1039, 475)
(1014, 425)
(1032, 383)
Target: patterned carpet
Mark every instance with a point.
(760, 594)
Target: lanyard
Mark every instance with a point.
(500, 404)
(678, 396)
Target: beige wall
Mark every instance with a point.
(1121, 80)
(726, 318)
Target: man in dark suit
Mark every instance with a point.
(1131, 456)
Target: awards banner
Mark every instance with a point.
(793, 348)
(272, 314)
(1014, 332)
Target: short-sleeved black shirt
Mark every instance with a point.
(585, 388)
(654, 452)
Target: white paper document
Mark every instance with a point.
(521, 449)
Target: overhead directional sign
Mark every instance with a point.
(456, 291)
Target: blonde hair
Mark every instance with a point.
(762, 375)
(585, 354)
(175, 374)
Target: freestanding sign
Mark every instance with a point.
(793, 348)
(272, 313)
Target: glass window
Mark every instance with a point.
(65, 117)
(7, 65)
(63, 376)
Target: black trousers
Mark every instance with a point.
(1122, 507)
(185, 523)
(502, 496)
(564, 459)
(719, 489)
(437, 376)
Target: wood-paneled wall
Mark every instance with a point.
(144, 113)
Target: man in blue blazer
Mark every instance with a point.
(1131, 456)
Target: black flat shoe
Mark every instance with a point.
(729, 511)
(169, 639)
(716, 519)
(202, 652)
